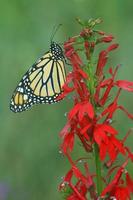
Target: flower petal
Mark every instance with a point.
(125, 85)
(74, 111)
(109, 129)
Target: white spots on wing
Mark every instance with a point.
(20, 89)
(25, 96)
(20, 84)
(24, 77)
(12, 102)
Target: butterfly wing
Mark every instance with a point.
(42, 83)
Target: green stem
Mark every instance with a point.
(91, 86)
(98, 169)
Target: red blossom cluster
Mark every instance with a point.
(91, 119)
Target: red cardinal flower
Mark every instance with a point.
(84, 183)
(120, 188)
(81, 109)
(104, 136)
(90, 120)
(108, 38)
(103, 57)
(125, 85)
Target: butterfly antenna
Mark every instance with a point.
(55, 29)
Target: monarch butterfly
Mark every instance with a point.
(42, 83)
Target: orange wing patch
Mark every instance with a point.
(20, 99)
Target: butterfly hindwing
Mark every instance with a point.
(42, 83)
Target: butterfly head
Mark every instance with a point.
(56, 51)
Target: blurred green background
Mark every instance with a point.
(31, 166)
